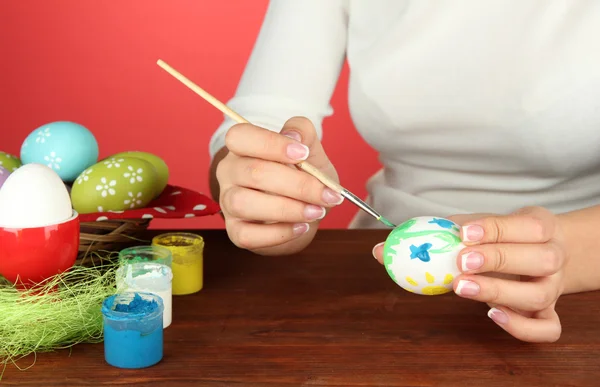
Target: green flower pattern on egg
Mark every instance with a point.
(114, 184)
(420, 255)
(9, 162)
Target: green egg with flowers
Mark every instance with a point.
(114, 184)
(9, 162)
(162, 170)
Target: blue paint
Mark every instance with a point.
(133, 330)
(137, 306)
(421, 252)
(443, 223)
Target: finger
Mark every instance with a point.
(461, 219)
(528, 225)
(296, 142)
(536, 260)
(248, 204)
(378, 252)
(302, 130)
(546, 328)
(253, 236)
(279, 179)
(253, 141)
(526, 296)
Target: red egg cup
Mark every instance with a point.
(28, 256)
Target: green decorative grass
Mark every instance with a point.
(58, 313)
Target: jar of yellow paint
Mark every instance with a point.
(187, 250)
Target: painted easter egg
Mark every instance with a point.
(3, 175)
(420, 255)
(111, 185)
(9, 161)
(66, 147)
(162, 170)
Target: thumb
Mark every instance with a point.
(302, 130)
(461, 219)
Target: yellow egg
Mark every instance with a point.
(114, 185)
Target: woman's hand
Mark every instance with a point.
(514, 263)
(270, 206)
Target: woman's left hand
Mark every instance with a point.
(514, 263)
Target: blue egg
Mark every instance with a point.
(66, 147)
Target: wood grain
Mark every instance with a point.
(331, 316)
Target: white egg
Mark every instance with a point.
(34, 196)
(420, 255)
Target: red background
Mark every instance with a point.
(94, 63)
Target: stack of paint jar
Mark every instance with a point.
(146, 280)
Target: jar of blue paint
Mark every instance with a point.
(133, 329)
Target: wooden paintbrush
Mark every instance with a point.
(307, 167)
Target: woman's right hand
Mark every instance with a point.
(270, 206)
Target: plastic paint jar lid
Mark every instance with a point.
(178, 239)
(135, 254)
(150, 277)
(187, 250)
(133, 332)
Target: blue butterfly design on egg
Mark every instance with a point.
(421, 252)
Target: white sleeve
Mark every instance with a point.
(294, 66)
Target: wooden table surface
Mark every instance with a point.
(331, 316)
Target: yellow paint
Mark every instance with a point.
(188, 260)
(429, 278)
(411, 281)
(448, 280)
(434, 290)
(187, 277)
(431, 290)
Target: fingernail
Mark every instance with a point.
(297, 151)
(300, 228)
(498, 316)
(329, 196)
(312, 212)
(376, 247)
(293, 135)
(471, 261)
(472, 233)
(467, 288)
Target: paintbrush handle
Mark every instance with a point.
(202, 93)
(305, 166)
(312, 170)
